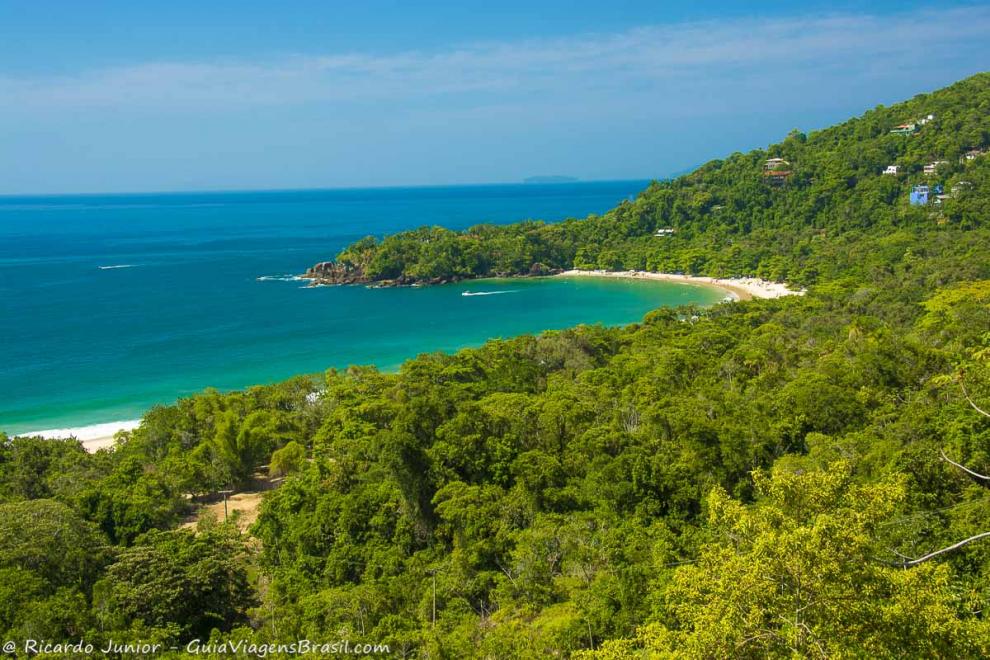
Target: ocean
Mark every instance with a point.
(113, 303)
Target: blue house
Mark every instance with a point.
(919, 195)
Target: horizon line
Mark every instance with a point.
(221, 191)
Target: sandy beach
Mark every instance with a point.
(741, 288)
(93, 438)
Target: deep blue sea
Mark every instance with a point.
(113, 303)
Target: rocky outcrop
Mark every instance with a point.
(331, 272)
(539, 270)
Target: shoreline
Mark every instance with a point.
(101, 436)
(740, 288)
(93, 437)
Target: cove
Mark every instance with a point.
(114, 304)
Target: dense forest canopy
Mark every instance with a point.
(748, 480)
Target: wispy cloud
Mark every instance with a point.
(633, 103)
(648, 57)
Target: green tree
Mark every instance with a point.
(800, 574)
(178, 581)
(287, 460)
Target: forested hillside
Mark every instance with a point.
(728, 218)
(753, 479)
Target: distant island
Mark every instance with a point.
(553, 178)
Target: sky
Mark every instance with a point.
(104, 96)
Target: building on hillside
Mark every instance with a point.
(919, 195)
(927, 118)
(905, 129)
(960, 186)
(776, 171)
(665, 231)
(932, 168)
(891, 169)
(972, 154)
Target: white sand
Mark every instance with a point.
(97, 436)
(741, 288)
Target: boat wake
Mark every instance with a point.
(116, 266)
(279, 278)
(487, 293)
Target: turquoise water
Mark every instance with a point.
(111, 304)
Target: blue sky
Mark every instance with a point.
(133, 96)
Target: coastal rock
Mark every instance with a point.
(332, 272)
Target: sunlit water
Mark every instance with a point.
(111, 304)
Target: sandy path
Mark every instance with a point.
(246, 503)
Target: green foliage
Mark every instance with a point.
(179, 583)
(287, 460)
(828, 220)
(51, 541)
(781, 579)
(49, 559)
(730, 481)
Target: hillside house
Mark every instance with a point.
(932, 168)
(919, 195)
(891, 169)
(776, 171)
(927, 118)
(973, 154)
(665, 231)
(905, 129)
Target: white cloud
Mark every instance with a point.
(649, 58)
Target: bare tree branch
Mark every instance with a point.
(968, 398)
(908, 562)
(932, 555)
(904, 557)
(965, 469)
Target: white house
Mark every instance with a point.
(932, 168)
(891, 169)
(905, 129)
(665, 231)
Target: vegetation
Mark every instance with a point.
(727, 219)
(748, 480)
